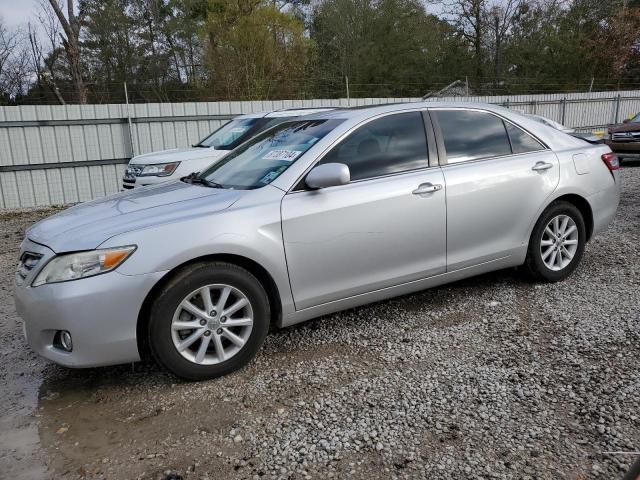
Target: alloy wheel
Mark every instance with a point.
(559, 242)
(212, 324)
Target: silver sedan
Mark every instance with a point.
(318, 214)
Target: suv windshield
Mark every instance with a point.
(232, 134)
(263, 158)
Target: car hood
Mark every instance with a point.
(624, 127)
(177, 155)
(89, 224)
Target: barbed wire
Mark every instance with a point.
(311, 88)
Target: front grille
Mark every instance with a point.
(626, 136)
(28, 261)
(134, 171)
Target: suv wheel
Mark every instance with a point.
(557, 242)
(209, 320)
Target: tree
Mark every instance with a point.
(469, 17)
(254, 50)
(183, 35)
(71, 24)
(13, 63)
(111, 48)
(171, 50)
(385, 47)
(43, 65)
(617, 47)
(502, 16)
(557, 46)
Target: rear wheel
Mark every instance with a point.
(209, 320)
(557, 242)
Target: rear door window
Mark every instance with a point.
(472, 135)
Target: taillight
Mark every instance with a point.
(611, 161)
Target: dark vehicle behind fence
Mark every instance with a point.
(624, 138)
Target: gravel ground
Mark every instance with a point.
(492, 377)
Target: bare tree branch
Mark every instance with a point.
(71, 44)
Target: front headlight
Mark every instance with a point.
(73, 266)
(159, 169)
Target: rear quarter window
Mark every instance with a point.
(521, 141)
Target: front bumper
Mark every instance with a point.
(100, 312)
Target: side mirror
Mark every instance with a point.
(626, 120)
(328, 175)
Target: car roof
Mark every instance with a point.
(353, 116)
(367, 111)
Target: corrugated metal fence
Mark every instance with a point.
(66, 154)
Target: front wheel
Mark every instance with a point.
(557, 242)
(209, 320)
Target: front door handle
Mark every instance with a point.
(427, 188)
(540, 166)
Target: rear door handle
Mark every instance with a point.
(427, 188)
(540, 166)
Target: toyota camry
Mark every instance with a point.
(315, 215)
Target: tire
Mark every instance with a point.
(541, 262)
(172, 326)
(634, 471)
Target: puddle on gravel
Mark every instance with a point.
(19, 442)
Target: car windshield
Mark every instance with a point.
(263, 158)
(232, 134)
(635, 119)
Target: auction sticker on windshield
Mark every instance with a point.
(287, 155)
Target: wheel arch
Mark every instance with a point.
(263, 276)
(581, 204)
(575, 199)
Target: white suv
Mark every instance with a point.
(157, 167)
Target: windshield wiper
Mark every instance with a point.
(209, 183)
(199, 145)
(194, 178)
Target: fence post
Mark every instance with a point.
(563, 112)
(616, 118)
(346, 80)
(506, 103)
(126, 99)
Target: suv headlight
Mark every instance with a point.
(159, 169)
(73, 266)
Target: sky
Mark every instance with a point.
(17, 12)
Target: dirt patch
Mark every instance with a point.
(92, 429)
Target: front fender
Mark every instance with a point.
(250, 229)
